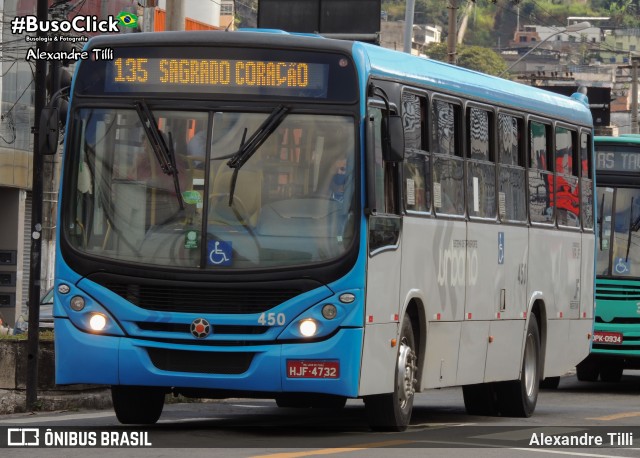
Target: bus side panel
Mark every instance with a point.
(504, 354)
(579, 334)
(473, 352)
(377, 374)
(556, 361)
(568, 267)
(443, 345)
(435, 269)
(587, 276)
(544, 250)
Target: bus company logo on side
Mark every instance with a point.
(200, 328)
(455, 260)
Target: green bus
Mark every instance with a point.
(616, 337)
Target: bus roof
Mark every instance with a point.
(480, 86)
(624, 138)
(382, 62)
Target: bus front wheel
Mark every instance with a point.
(518, 398)
(140, 405)
(392, 411)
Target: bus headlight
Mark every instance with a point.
(308, 327)
(97, 322)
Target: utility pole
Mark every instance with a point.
(149, 16)
(408, 25)
(175, 15)
(634, 95)
(451, 38)
(33, 342)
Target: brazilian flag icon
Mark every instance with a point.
(127, 19)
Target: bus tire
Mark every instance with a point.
(392, 411)
(550, 383)
(587, 370)
(480, 399)
(611, 373)
(140, 405)
(518, 398)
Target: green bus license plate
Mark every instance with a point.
(607, 337)
(313, 369)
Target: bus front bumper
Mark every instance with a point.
(329, 366)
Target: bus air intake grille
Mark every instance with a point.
(202, 300)
(619, 320)
(618, 292)
(185, 328)
(200, 362)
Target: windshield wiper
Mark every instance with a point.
(633, 227)
(248, 148)
(164, 154)
(601, 220)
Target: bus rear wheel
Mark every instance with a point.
(480, 399)
(587, 370)
(140, 405)
(518, 398)
(392, 411)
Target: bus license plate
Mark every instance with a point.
(607, 337)
(313, 369)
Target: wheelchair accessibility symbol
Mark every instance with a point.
(219, 253)
(621, 266)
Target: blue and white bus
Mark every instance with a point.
(310, 220)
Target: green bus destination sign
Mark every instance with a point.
(618, 158)
(186, 75)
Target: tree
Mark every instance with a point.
(472, 57)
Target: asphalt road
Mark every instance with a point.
(439, 427)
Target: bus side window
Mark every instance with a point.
(540, 174)
(481, 177)
(586, 180)
(385, 173)
(512, 193)
(448, 164)
(566, 189)
(417, 166)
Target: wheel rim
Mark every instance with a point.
(530, 365)
(406, 374)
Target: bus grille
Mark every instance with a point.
(201, 362)
(618, 291)
(201, 300)
(216, 329)
(619, 320)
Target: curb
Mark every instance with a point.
(14, 401)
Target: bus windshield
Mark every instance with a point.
(619, 232)
(166, 195)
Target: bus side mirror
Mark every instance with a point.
(48, 131)
(393, 139)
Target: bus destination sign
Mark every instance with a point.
(617, 159)
(191, 75)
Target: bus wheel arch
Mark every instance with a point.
(415, 311)
(392, 411)
(518, 398)
(539, 310)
